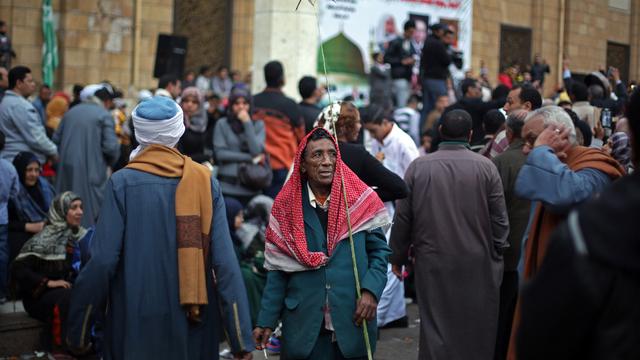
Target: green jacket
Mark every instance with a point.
(509, 164)
(298, 298)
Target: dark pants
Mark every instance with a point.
(4, 259)
(42, 309)
(432, 89)
(324, 349)
(508, 299)
(279, 177)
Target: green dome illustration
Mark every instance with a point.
(342, 56)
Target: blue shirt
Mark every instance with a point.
(544, 178)
(9, 187)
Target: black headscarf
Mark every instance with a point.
(234, 122)
(20, 162)
(233, 207)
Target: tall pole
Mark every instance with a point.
(561, 23)
(137, 40)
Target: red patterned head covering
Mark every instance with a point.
(286, 247)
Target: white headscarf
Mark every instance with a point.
(164, 132)
(89, 90)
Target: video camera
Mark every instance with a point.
(456, 57)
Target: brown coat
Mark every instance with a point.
(455, 217)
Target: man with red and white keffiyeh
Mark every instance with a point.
(311, 285)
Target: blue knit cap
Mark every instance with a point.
(157, 108)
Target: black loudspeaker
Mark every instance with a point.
(170, 55)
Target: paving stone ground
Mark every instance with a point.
(393, 344)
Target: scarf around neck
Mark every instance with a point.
(545, 222)
(286, 242)
(194, 211)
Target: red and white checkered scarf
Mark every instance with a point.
(286, 245)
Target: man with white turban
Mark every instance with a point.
(162, 256)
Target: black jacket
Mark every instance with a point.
(616, 106)
(388, 185)
(476, 108)
(538, 71)
(585, 301)
(394, 56)
(309, 114)
(435, 59)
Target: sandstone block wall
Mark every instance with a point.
(95, 39)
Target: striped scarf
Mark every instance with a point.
(194, 213)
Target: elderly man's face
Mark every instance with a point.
(319, 162)
(530, 132)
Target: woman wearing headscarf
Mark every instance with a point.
(193, 141)
(28, 210)
(237, 140)
(48, 263)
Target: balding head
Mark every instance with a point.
(456, 126)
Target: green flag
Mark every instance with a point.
(50, 46)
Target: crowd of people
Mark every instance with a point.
(317, 223)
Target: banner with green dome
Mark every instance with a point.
(351, 31)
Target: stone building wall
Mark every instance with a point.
(205, 23)
(242, 36)
(542, 16)
(23, 20)
(95, 39)
(588, 26)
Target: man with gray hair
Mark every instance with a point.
(509, 164)
(557, 175)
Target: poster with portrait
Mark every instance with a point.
(351, 31)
